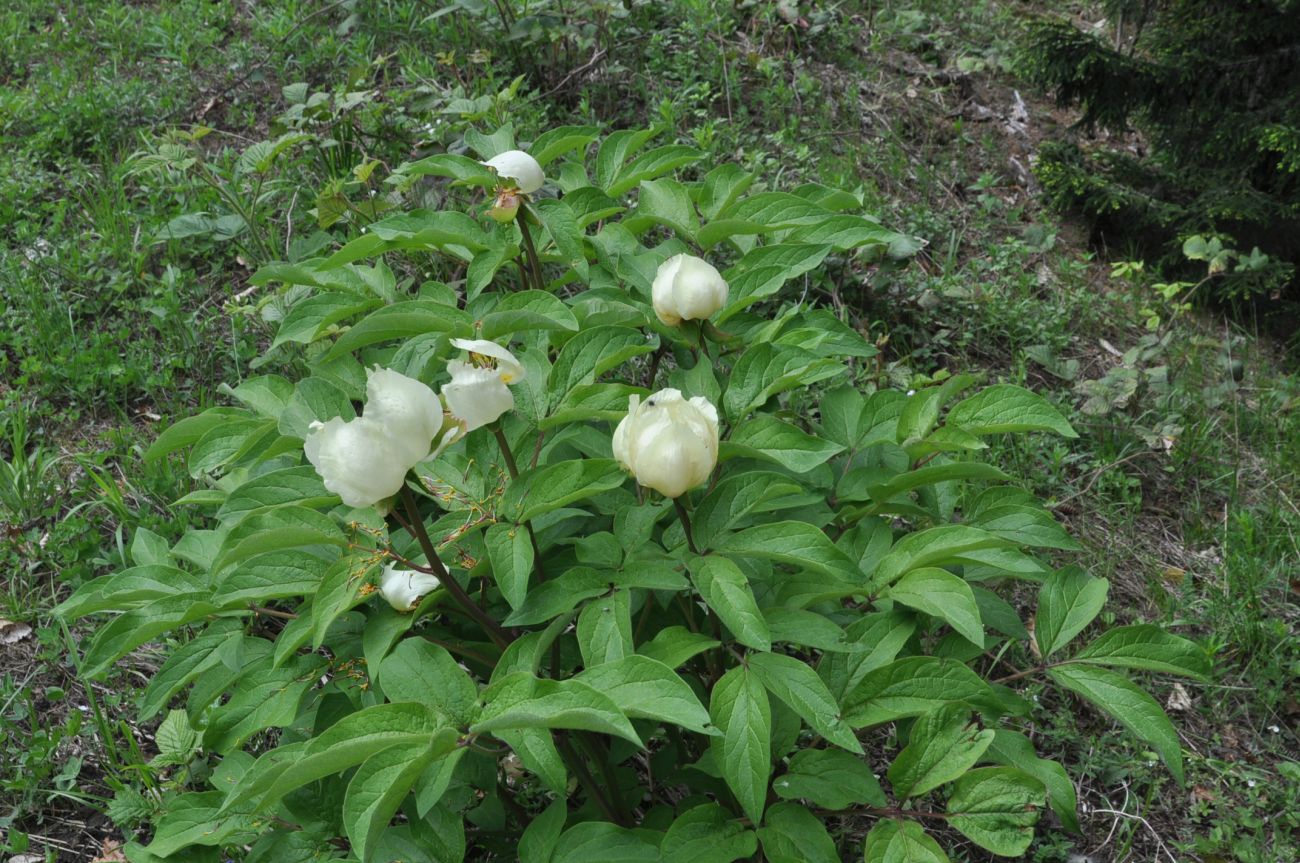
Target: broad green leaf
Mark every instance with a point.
(273, 575)
(228, 443)
(605, 629)
(593, 352)
(792, 834)
(193, 658)
(602, 842)
(734, 499)
(521, 700)
(139, 625)
(1067, 602)
(768, 438)
(941, 594)
(912, 687)
(931, 474)
(470, 172)
(942, 746)
(345, 744)
(264, 697)
(898, 841)
(130, 587)
(722, 186)
(796, 543)
(880, 637)
(725, 589)
(562, 225)
(1013, 749)
(286, 527)
(1149, 648)
(538, 840)
(614, 151)
(764, 270)
(931, 546)
(664, 202)
(799, 687)
(589, 402)
(830, 778)
(1118, 696)
(377, 790)
(545, 489)
(402, 321)
(997, 808)
(192, 819)
(765, 370)
(292, 486)
(707, 834)
(740, 709)
(1025, 525)
(777, 210)
(314, 399)
(558, 141)
(650, 165)
(674, 645)
(423, 672)
(644, 688)
(527, 311)
(1007, 408)
(188, 431)
(510, 552)
(312, 317)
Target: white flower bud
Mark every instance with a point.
(357, 459)
(687, 288)
(403, 588)
(520, 167)
(668, 443)
(478, 392)
(408, 411)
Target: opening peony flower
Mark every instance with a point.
(404, 588)
(408, 410)
(478, 392)
(669, 443)
(519, 167)
(357, 459)
(687, 288)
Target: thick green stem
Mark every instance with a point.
(416, 524)
(685, 518)
(576, 764)
(533, 261)
(602, 759)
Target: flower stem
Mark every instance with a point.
(686, 524)
(533, 260)
(494, 631)
(512, 467)
(576, 764)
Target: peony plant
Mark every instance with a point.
(622, 557)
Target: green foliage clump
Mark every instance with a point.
(512, 649)
(1214, 88)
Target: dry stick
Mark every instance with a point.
(498, 635)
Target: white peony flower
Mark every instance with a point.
(403, 588)
(668, 443)
(408, 411)
(687, 288)
(358, 460)
(478, 392)
(518, 166)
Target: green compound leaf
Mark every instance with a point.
(997, 808)
(1118, 696)
(740, 710)
(942, 746)
(1007, 408)
(897, 841)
